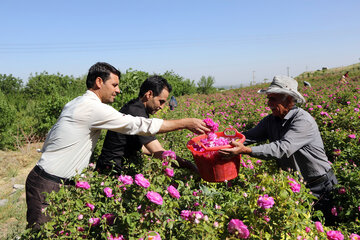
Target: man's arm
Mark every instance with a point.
(155, 149)
(193, 124)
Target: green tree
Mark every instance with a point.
(205, 85)
(45, 84)
(10, 84)
(7, 113)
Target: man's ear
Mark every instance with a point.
(98, 82)
(149, 94)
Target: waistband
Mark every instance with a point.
(321, 179)
(39, 170)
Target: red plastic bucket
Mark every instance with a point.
(212, 167)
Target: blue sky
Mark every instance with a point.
(233, 41)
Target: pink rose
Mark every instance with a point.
(118, 237)
(94, 221)
(265, 201)
(169, 172)
(89, 205)
(125, 179)
(169, 154)
(152, 235)
(109, 218)
(319, 227)
(352, 136)
(235, 225)
(211, 125)
(141, 181)
(294, 186)
(108, 192)
(334, 235)
(154, 197)
(185, 214)
(354, 236)
(84, 185)
(342, 190)
(80, 217)
(173, 192)
(334, 211)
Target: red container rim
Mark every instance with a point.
(240, 137)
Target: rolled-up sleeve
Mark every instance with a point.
(106, 117)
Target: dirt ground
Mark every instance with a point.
(15, 166)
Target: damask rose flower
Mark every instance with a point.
(153, 236)
(342, 190)
(352, 136)
(80, 229)
(94, 221)
(89, 205)
(186, 215)
(109, 218)
(237, 226)
(125, 179)
(169, 172)
(334, 211)
(169, 154)
(354, 236)
(141, 181)
(84, 185)
(265, 201)
(154, 197)
(173, 192)
(319, 227)
(80, 217)
(334, 235)
(108, 192)
(294, 186)
(211, 124)
(116, 237)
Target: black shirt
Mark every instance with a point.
(120, 147)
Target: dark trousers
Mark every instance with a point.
(324, 203)
(35, 186)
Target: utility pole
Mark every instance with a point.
(288, 71)
(253, 80)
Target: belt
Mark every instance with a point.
(39, 170)
(321, 179)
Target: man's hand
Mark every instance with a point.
(238, 148)
(195, 125)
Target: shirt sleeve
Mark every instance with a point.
(299, 134)
(106, 117)
(256, 134)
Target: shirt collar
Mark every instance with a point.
(290, 114)
(92, 95)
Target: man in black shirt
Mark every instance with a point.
(124, 149)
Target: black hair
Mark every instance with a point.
(156, 84)
(102, 70)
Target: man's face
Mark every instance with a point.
(279, 104)
(154, 104)
(109, 89)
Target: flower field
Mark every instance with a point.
(160, 201)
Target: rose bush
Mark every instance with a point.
(263, 202)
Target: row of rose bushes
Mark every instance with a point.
(263, 202)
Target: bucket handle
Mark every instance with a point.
(228, 132)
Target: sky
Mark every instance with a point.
(234, 41)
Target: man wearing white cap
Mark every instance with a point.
(294, 141)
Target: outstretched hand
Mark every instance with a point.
(196, 125)
(238, 148)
